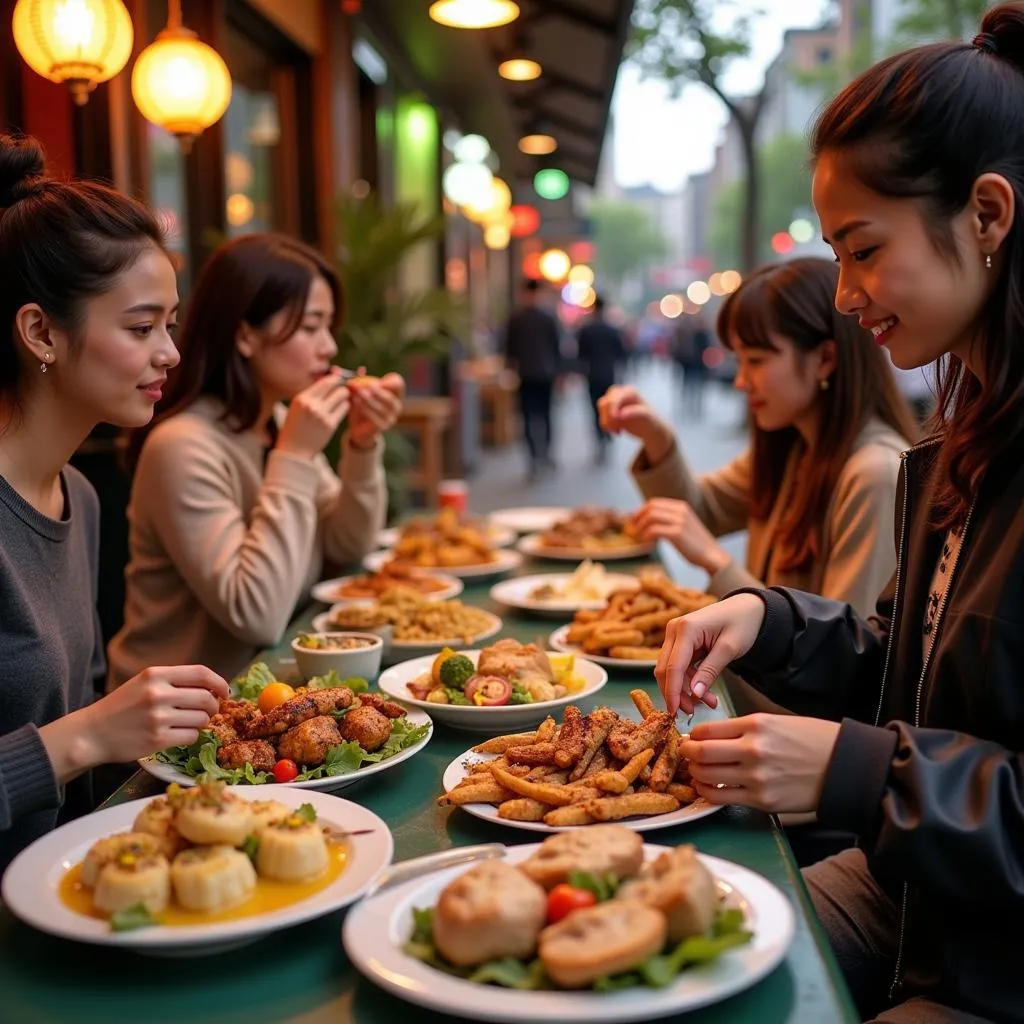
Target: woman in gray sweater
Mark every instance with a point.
(87, 301)
(816, 489)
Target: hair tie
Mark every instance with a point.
(986, 42)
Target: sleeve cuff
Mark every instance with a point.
(660, 478)
(772, 646)
(851, 797)
(291, 473)
(360, 460)
(27, 782)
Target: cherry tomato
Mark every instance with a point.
(488, 691)
(565, 898)
(285, 770)
(274, 694)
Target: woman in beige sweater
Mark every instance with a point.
(816, 490)
(234, 508)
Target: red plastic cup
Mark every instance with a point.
(454, 494)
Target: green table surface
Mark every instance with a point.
(302, 975)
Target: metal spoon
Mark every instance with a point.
(406, 870)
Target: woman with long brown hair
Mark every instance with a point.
(816, 489)
(909, 725)
(234, 507)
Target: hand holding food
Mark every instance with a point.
(610, 919)
(376, 406)
(622, 408)
(701, 645)
(160, 707)
(676, 522)
(313, 416)
(776, 763)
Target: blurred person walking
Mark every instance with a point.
(602, 356)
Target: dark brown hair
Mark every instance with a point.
(925, 125)
(796, 301)
(61, 244)
(246, 281)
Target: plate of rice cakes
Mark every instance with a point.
(198, 871)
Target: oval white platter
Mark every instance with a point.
(402, 650)
(508, 718)
(496, 535)
(531, 519)
(515, 593)
(32, 882)
(559, 643)
(375, 931)
(505, 562)
(168, 773)
(329, 591)
(533, 546)
(458, 770)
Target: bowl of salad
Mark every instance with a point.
(502, 688)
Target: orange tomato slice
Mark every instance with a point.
(274, 694)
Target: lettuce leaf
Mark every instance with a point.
(253, 683)
(130, 918)
(604, 887)
(332, 679)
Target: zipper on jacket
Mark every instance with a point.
(940, 611)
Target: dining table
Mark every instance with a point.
(302, 975)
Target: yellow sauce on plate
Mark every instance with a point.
(267, 897)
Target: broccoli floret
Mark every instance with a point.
(456, 670)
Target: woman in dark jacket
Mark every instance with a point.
(909, 727)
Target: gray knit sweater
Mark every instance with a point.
(51, 648)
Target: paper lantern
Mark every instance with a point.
(474, 13)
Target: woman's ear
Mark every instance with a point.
(828, 359)
(993, 206)
(245, 341)
(32, 329)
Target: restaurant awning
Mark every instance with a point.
(578, 43)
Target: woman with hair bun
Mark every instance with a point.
(88, 301)
(234, 507)
(816, 489)
(909, 725)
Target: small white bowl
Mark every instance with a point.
(356, 662)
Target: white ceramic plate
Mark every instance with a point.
(328, 591)
(495, 721)
(533, 519)
(505, 562)
(457, 771)
(531, 545)
(497, 535)
(31, 884)
(375, 931)
(400, 650)
(515, 593)
(168, 773)
(559, 643)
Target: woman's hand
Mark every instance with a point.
(776, 763)
(159, 708)
(699, 646)
(676, 522)
(621, 408)
(313, 416)
(375, 409)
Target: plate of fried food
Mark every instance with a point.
(328, 734)
(443, 542)
(478, 564)
(508, 685)
(529, 519)
(562, 594)
(198, 871)
(629, 631)
(594, 926)
(434, 586)
(449, 525)
(587, 533)
(414, 627)
(592, 768)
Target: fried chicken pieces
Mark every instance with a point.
(302, 729)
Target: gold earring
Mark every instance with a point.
(824, 384)
(43, 366)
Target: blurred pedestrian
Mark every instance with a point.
(602, 356)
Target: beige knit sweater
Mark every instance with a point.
(858, 552)
(223, 548)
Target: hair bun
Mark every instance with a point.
(1004, 27)
(22, 168)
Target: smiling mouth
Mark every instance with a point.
(883, 329)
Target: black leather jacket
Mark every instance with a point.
(928, 766)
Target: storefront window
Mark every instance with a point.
(252, 132)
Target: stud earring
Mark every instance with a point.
(988, 261)
(824, 384)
